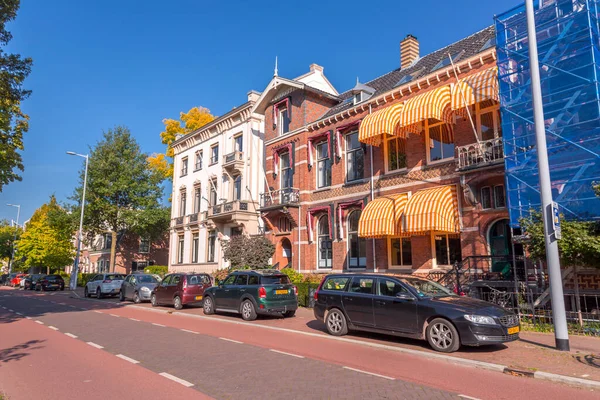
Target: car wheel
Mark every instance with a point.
(85, 293)
(289, 314)
(442, 336)
(62, 287)
(336, 322)
(177, 303)
(208, 306)
(98, 293)
(153, 301)
(121, 296)
(248, 311)
(136, 298)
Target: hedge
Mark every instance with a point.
(304, 292)
(161, 270)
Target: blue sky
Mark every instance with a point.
(101, 63)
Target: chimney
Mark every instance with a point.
(253, 95)
(409, 51)
(316, 67)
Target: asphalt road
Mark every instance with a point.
(223, 358)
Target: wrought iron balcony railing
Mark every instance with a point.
(287, 196)
(480, 154)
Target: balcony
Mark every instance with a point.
(279, 198)
(233, 211)
(478, 155)
(177, 222)
(234, 161)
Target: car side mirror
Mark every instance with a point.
(405, 296)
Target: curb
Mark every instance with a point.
(579, 382)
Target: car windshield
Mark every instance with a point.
(114, 277)
(427, 288)
(145, 279)
(274, 280)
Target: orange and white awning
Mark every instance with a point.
(475, 88)
(379, 123)
(433, 104)
(383, 216)
(434, 209)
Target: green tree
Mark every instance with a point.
(251, 252)
(123, 193)
(13, 122)
(48, 239)
(7, 238)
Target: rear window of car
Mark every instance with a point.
(335, 283)
(145, 279)
(115, 277)
(53, 276)
(197, 279)
(274, 280)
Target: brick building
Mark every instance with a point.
(394, 174)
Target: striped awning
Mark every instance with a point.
(383, 216)
(434, 209)
(379, 123)
(475, 88)
(433, 104)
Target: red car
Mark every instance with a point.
(16, 281)
(179, 290)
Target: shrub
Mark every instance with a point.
(304, 291)
(220, 274)
(83, 279)
(314, 278)
(295, 277)
(161, 270)
(248, 251)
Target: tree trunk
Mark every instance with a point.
(577, 299)
(113, 251)
(47, 270)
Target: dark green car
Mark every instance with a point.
(251, 293)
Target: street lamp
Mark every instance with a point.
(73, 283)
(12, 257)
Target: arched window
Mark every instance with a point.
(357, 246)
(324, 243)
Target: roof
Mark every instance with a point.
(259, 272)
(467, 47)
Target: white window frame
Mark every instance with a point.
(214, 159)
(318, 243)
(387, 155)
(212, 234)
(184, 166)
(494, 109)
(348, 233)
(198, 160)
(149, 245)
(281, 169)
(281, 120)
(195, 247)
(428, 146)
(213, 189)
(197, 199)
(182, 203)
(325, 160)
(399, 266)
(346, 152)
(239, 137)
(233, 190)
(180, 248)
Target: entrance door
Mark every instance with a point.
(501, 247)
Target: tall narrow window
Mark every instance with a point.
(324, 243)
(488, 123)
(197, 199)
(357, 246)
(447, 249)
(486, 197)
(195, 246)
(213, 192)
(212, 240)
(182, 203)
(354, 158)
(144, 245)
(401, 252)
(286, 171)
(396, 156)
(441, 142)
(237, 187)
(323, 165)
(180, 249)
(184, 166)
(238, 143)
(198, 162)
(499, 196)
(107, 240)
(284, 224)
(283, 121)
(214, 154)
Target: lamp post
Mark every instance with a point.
(74, 272)
(12, 257)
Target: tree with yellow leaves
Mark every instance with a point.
(188, 122)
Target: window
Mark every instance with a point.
(405, 79)
(488, 123)
(396, 153)
(213, 192)
(107, 241)
(486, 197)
(182, 203)
(212, 240)
(139, 266)
(495, 199)
(357, 97)
(195, 246)
(354, 158)
(175, 280)
(253, 280)
(242, 280)
(401, 252)
(238, 143)
(166, 281)
(180, 246)
(324, 243)
(283, 121)
(441, 144)
(197, 199)
(444, 62)
(229, 280)
(237, 187)
(323, 165)
(357, 246)
(198, 163)
(214, 154)
(338, 283)
(184, 166)
(107, 266)
(499, 197)
(287, 177)
(447, 249)
(361, 285)
(490, 42)
(284, 224)
(144, 245)
(236, 232)
(388, 287)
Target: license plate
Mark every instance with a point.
(514, 329)
(198, 297)
(282, 291)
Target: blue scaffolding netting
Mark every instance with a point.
(568, 46)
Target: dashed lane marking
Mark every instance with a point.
(463, 396)
(188, 331)
(71, 335)
(114, 315)
(95, 345)
(27, 317)
(53, 327)
(131, 360)
(133, 319)
(99, 312)
(287, 354)
(39, 322)
(161, 325)
(369, 373)
(231, 340)
(18, 313)
(62, 304)
(176, 379)
(11, 310)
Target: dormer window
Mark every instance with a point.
(361, 92)
(444, 62)
(357, 97)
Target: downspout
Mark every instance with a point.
(299, 236)
(372, 198)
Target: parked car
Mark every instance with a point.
(31, 281)
(180, 290)
(16, 280)
(104, 285)
(3, 279)
(138, 287)
(250, 293)
(9, 279)
(22, 281)
(412, 307)
(50, 282)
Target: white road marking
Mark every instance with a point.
(131, 360)
(72, 306)
(53, 327)
(99, 312)
(71, 335)
(27, 317)
(161, 325)
(62, 304)
(287, 354)
(231, 340)
(114, 315)
(133, 319)
(18, 313)
(188, 331)
(95, 345)
(4, 307)
(11, 310)
(467, 397)
(176, 379)
(369, 373)
(39, 322)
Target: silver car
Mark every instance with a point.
(104, 285)
(138, 287)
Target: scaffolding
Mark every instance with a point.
(569, 54)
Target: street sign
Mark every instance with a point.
(556, 221)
